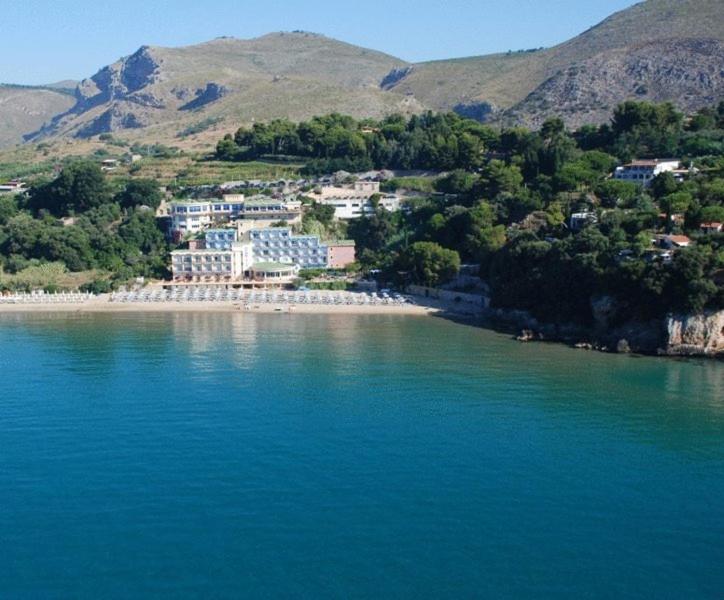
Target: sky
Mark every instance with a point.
(44, 41)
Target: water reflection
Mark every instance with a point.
(327, 358)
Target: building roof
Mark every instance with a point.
(263, 202)
(711, 224)
(341, 243)
(649, 162)
(679, 239)
(202, 251)
(273, 266)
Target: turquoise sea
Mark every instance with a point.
(297, 456)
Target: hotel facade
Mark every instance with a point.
(231, 255)
(193, 216)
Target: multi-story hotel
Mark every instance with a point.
(193, 216)
(209, 263)
(279, 244)
(273, 253)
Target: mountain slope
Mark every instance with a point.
(507, 80)
(657, 50)
(295, 75)
(24, 109)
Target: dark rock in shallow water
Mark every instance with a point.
(622, 347)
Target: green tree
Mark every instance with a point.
(614, 192)
(429, 264)
(79, 187)
(140, 192)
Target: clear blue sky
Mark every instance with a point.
(49, 40)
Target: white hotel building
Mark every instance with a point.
(193, 216)
(228, 255)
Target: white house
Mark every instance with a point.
(354, 201)
(14, 186)
(642, 172)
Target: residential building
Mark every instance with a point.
(340, 254)
(579, 220)
(673, 242)
(14, 186)
(262, 211)
(346, 208)
(109, 164)
(642, 172)
(355, 201)
(192, 216)
(211, 264)
(711, 227)
(220, 239)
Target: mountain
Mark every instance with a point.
(25, 108)
(294, 75)
(657, 50)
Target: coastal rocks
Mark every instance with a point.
(528, 335)
(622, 347)
(604, 309)
(695, 335)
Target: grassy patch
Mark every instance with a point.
(51, 276)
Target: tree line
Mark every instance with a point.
(80, 220)
(511, 215)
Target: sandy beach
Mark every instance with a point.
(102, 304)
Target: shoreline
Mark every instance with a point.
(105, 306)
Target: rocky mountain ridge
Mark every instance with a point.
(656, 50)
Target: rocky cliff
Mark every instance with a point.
(677, 335)
(695, 335)
(690, 72)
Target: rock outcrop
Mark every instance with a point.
(695, 335)
(677, 335)
(687, 71)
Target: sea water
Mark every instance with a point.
(312, 456)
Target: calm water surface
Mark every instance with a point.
(226, 456)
